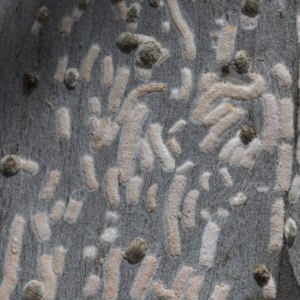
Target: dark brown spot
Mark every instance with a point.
(127, 42)
(10, 165)
(154, 3)
(83, 4)
(133, 13)
(30, 80)
(42, 14)
(136, 250)
(261, 275)
(148, 54)
(33, 290)
(247, 134)
(225, 71)
(251, 7)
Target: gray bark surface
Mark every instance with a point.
(28, 128)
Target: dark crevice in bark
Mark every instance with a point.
(288, 287)
(296, 102)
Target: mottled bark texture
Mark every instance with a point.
(149, 149)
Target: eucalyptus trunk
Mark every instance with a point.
(149, 149)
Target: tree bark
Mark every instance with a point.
(168, 168)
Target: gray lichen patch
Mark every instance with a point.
(33, 290)
(251, 7)
(247, 134)
(148, 54)
(72, 77)
(30, 80)
(127, 42)
(83, 4)
(242, 61)
(133, 13)
(10, 165)
(290, 231)
(261, 275)
(136, 250)
(42, 14)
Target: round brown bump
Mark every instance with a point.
(133, 13)
(42, 14)
(261, 275)
(247, 134)
(136, 250)
(148, 54)
(127, 42)
(242, 61)
(251, 7)
(30, 80)
(10, 165)
(33, 290)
